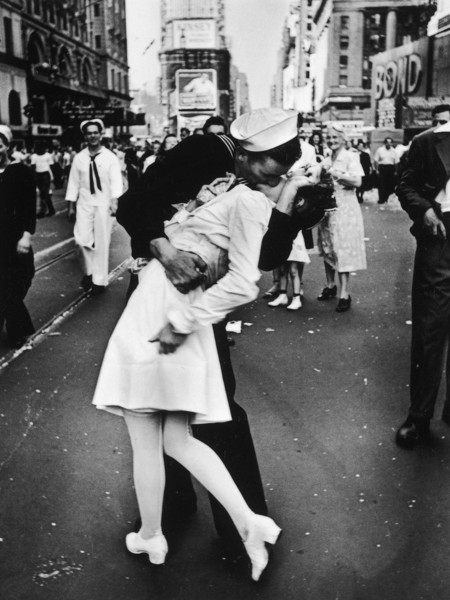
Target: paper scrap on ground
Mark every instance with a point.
(234, 326)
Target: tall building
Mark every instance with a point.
(62, 61)
(292, 87)
(439, 32)
(195, 62)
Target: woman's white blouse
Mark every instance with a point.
(235, 223)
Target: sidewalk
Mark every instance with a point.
(362, 519)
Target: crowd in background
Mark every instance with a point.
(51, 162)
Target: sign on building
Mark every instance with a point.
(194, 33)
(196, 89)
(401, 71)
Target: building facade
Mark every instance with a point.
(195, 62)
(60, 62)
(348, 34)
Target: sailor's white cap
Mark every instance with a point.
(264, 128)
(98, 122)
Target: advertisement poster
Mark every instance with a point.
(194, 33)
(197, 89)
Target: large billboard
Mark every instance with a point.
(196, 89)
(401, 71)
(194, 34)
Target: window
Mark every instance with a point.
(37, 7)
(343, 41)
(9, 42)
(98, 41)
(15, 110)
(113, 79)
(343, 70)
(97, 9)
(344, 22)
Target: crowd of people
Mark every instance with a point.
(214, 209)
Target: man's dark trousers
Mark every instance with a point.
(430, 324)
(386, 182)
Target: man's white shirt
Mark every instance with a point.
(109, 171)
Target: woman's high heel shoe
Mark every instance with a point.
(156, 547)
(259, 531)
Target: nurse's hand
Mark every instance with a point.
(183, 269)
(169, 340)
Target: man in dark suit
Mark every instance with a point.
(177, 178)
(423, 195)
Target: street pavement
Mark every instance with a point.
(325, 392)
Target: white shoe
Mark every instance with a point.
(280, 300)
(156, 547)
(295, 304)
(260, 530)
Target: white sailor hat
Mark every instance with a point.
(264, 128)
(6, 132)
(98, 122)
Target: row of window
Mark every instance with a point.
(374, 41)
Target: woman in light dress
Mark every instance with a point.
(341, 233)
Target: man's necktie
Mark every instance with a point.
(94, 173)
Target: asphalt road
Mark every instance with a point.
(362, 519)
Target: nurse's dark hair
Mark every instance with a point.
(4, 139)
(286, 154)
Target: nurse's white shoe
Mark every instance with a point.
(156, 547)
(260, 530)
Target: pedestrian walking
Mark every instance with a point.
(424, 193)
(95, 183)
(366, 164)
(160, 320)
(57, 165)
(184, 133)
(341, 232)
(17, 225)
(317, 143)
(41, 161)
(385, 162)
(131, 160)
(215, 124)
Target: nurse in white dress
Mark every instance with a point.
(161, 370)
